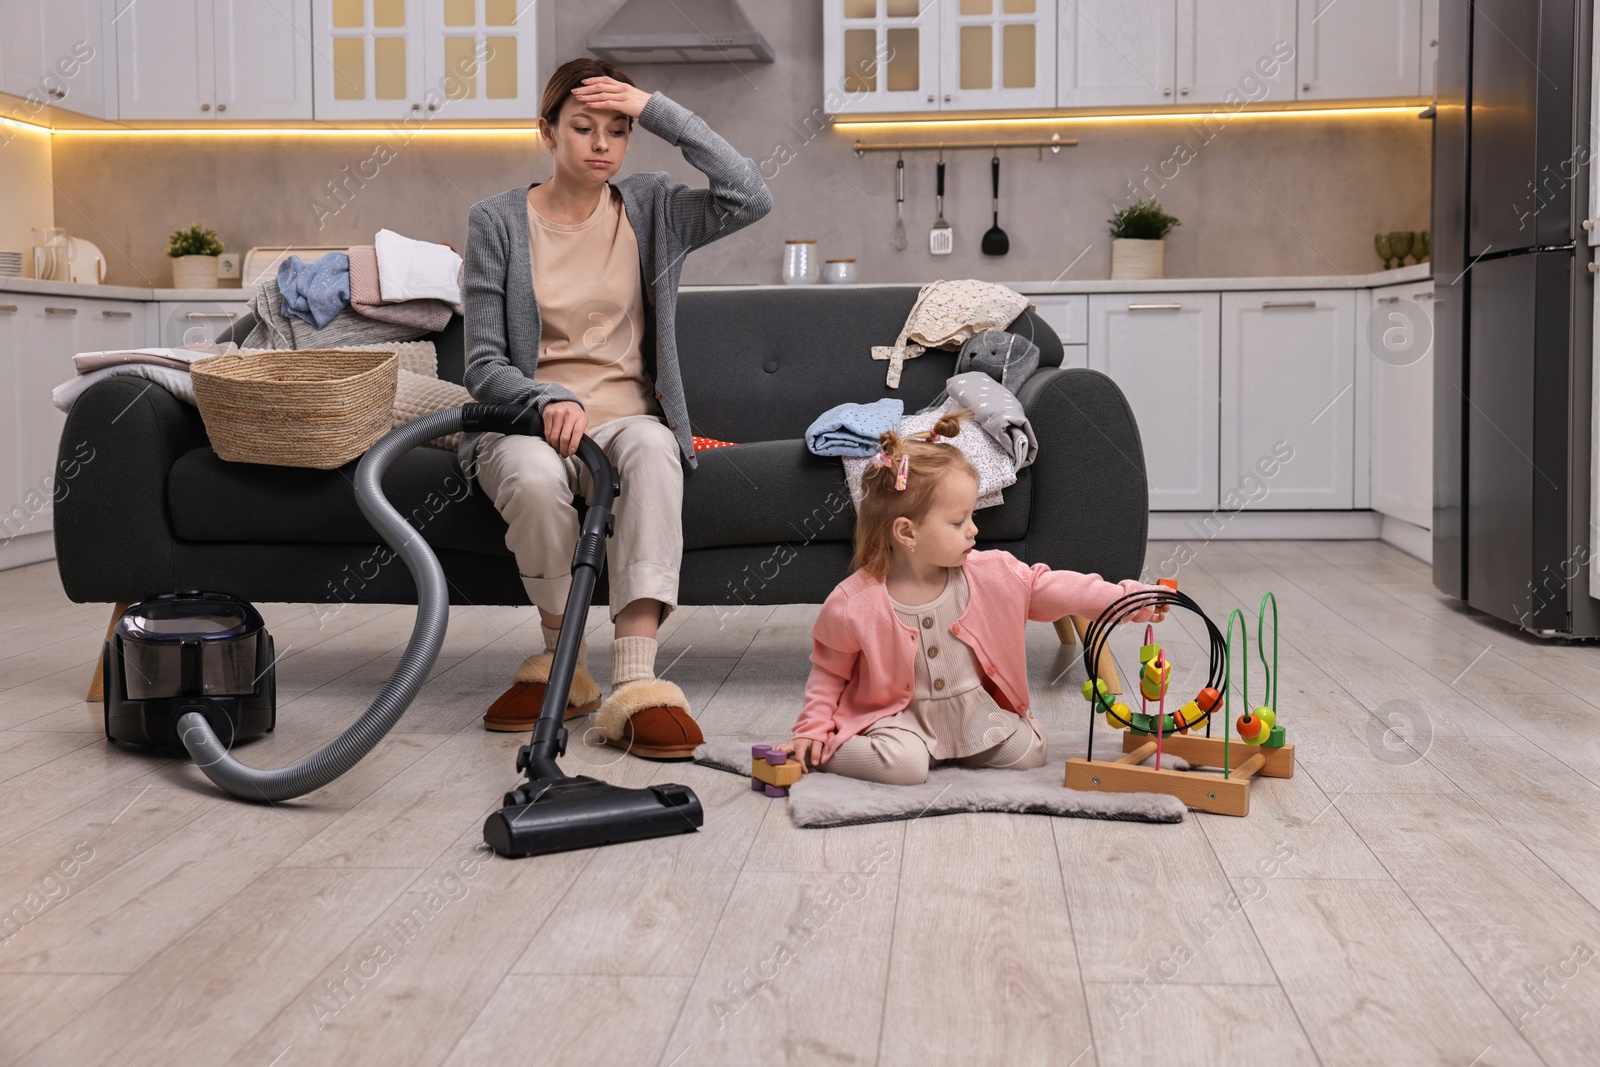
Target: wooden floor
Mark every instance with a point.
(1425, 890)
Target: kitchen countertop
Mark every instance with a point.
(120, 292)
(1416, 273)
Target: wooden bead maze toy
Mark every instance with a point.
(1266, 755)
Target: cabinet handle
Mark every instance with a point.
(947, 98)
(416, 107)
(1167, 91)
(205, 107)
(1306, 87)
(117, 314)
(8, 308)
(1184, 91)
(433, 106)
(1155, 307)
(222, 107)
(1388, 300)
(1288, 303)
(930, 98)
(1425, 296)
(60, 311)
(57, 93)
(210, 315)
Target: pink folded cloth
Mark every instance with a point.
(366, 298)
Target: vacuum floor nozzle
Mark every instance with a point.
(582, 812)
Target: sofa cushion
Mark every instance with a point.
(766, 492)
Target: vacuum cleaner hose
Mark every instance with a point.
(427, 635)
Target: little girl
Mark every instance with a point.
(920, 655)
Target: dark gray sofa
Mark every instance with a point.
(764, 523)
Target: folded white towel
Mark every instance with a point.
(176, 382)
(416, 270)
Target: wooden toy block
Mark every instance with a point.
(1187, 716)
(1208, 699)
(1201, 791)
(1148, 653)
(779, 776)
(1275, 739)
(775, 791)
(1170, 583)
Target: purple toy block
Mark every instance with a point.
(777, 759)
(760, 751)
(757, 784)
(776, 791)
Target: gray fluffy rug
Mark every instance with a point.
(821, 800)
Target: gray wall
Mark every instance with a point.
(1260, 197)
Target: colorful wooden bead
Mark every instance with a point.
(1252, 731)
(1276, 738)
(1208, 699)
(1188, 716)
(1147, 653)
(1090, 688)
(1118, 716)
(1266, 715)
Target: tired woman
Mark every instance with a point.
(571, 290)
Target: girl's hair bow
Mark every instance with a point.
(884, 459)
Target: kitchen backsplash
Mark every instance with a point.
(1255, 196)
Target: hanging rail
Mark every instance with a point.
(1055, 142)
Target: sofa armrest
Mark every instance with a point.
(113, 532)
(1091, 500)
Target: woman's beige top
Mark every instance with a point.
(591, 308)
(950, 710)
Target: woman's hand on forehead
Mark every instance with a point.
(608, 94)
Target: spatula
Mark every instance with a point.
(941, 239)
(995, 241)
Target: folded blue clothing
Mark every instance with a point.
(854, 429)
(315, 292)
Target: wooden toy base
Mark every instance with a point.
(1197, 789)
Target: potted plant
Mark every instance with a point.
(194, 253)
(1137, 248)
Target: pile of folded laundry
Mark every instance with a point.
(998, 439)
(394, 289)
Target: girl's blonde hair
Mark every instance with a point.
(926, 462)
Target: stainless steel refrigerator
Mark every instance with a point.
(1514, 312)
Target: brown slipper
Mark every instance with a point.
(650, 719)
(517, 709)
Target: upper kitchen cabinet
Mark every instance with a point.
(1116, 52)
(997, 54)
(214, 59)
(53, 52)
(880, 55)
(1232, 51)
(453, 59)
(1361, 48)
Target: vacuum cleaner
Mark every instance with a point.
(189, 651)
(548, 812)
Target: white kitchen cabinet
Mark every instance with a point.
(52, 336)
(1288, 393)
(1162, 351)
(1235, 51)
(1066, 314)
(880, 55)
(1592, 223)
(53, 52)
(214, 59)
(1401, 355)
(1360, 48)
(1116, 52)
(15, 510)
(263, 59)
(997, 54)
(424, 59)
(193, 322)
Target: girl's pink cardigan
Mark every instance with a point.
(863, 658)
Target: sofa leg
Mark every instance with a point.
(1071, 628)
(97, 684)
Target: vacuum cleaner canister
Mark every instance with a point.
(184, 652)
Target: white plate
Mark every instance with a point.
(88, 262)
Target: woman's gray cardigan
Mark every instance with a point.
(669, 221)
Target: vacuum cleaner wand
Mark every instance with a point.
(551, 812)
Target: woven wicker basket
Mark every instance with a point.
(295, 408)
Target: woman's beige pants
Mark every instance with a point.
(533, 488)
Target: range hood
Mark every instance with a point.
(682, 31)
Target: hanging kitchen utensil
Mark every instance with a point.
(995, 241)
(941, 239)
(900, 204)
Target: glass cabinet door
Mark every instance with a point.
(481, 60)
(881, 55)
(369, 59)
(998, 53)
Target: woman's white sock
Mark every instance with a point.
(633, 659)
